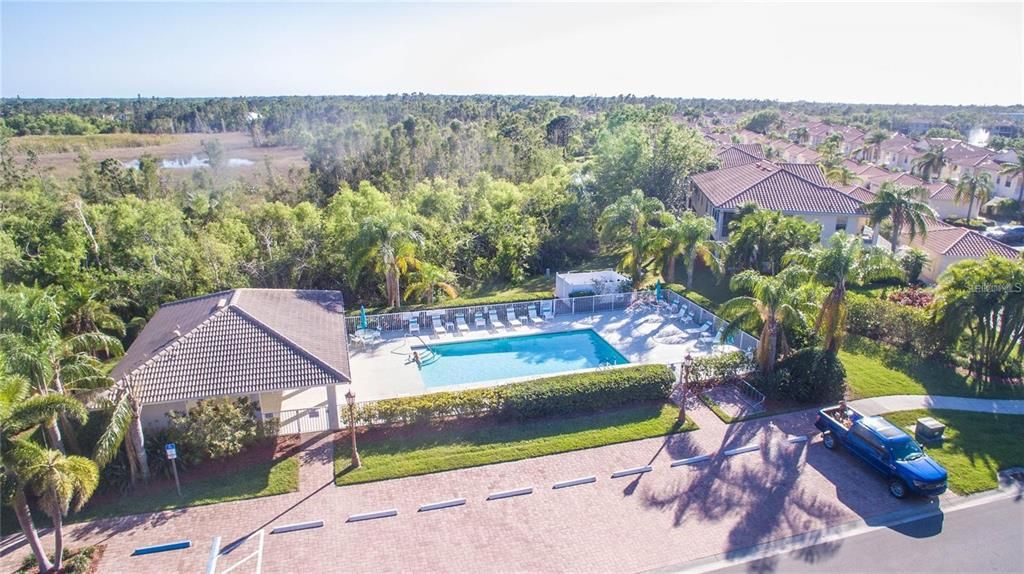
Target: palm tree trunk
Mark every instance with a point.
(672, 268)
(970, 207)
(770, 337)
(135, 445)
(68, 434)
(58, 536)
(875, 233)
(53, 433)
(689, 272)
(24, 514)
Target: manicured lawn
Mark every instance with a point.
(533, 288)
(705, 284)
(426, 450)
(977, 445)
(259, 479)
(875, 369)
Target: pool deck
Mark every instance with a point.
(385, 369)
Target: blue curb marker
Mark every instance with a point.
(443, 504)
(510, 493)
(298, 526)
(180, 545)
(631, 471)
(691, 460)
(575, 482)
(742, 449)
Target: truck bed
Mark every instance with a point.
(835, 415)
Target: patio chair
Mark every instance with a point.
(479, 320)
(546, 312)
(677, 313)
(495, 321)
(440, 325)
(534, 317)
(414, 325)
(460, 321)
(513, 321)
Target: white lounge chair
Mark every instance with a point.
(479, 320)
(496, 323)
(414, 325)
(440, 326)
(702, 329)
(534, 317)
(676, 313)
(460, 321)
(545, 311)
(513, 321)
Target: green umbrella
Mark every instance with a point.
(362, 316)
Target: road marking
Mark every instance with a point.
(372, 515)
(179, 545)
(742, 449)
(631, 471)
(691, 460)
(510, 493)
(443, 504)
(575, 482)
(298, 526)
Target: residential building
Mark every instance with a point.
(942, 198)
(946, 244)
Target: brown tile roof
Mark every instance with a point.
(238, 342)
(740, 154)
(940, 190)
(896, 143)
(961, 242)
(870, 171)
(858, 192)
(809, 171)
(773, 187)
(904, 179)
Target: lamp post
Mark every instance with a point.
(350, 398)
(684, 382)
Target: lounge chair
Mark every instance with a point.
(676, 313)
(414, 325)
(545, 311)
(534, 317)
(513, 321)
(440, 326)
(479, 320)
(496, 323)
(460, 321)
(702, 329)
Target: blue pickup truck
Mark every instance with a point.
(885, 448)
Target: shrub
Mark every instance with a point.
(807, 376)
(975, 224)
(77, 561)
(909, 328)
(216, 428)
(912, 297)
(694, 296)
(561, 395)
(720, 367)
(583, 293)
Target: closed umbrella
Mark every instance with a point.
(362, 316)
(657, 291)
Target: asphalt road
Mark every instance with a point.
(984, 538)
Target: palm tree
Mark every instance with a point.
(841, 175)
(932, 160)
(87, 308)
(60, 482)
(913, 262)
(844, 261)
(625, 228)
(774, 301)
(388, 243)
(798, 135)
(20, 414)
(875, 139)
(31, 324)
(902, 206)
(973, 186)
(1012, 170)
(428, 279)
(688, 236)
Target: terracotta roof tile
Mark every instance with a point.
(740, 154)
(773, 187)
(961, 242)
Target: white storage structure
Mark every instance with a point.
(598, 282)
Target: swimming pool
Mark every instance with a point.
(510, 357)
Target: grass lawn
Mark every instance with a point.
(259, 479)
(977, 445)
(396, 454)
(705, 284)
(533, 288)
(875, 369)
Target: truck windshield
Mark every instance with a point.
(907, 450)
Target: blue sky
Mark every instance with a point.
(867, 52)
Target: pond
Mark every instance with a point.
(192, 162)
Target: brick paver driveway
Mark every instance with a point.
(667, 516)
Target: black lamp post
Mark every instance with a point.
(684, 382)
(350, 398)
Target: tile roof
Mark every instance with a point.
(904, 179)
(237, 342)
(774, 187)
(858, 192)
(896, 143)
(961, 242)
(809, 171)
(740, 154)
(941, 190)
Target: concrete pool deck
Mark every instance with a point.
(642, 335)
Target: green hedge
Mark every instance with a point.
(724, 366)
(692, 295)
(561, 395)
(909, 328)
(467, 302)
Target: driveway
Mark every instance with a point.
(666, 516)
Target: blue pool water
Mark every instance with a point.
(510, 357)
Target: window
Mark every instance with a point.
(998, 179)
(1007, 184)
(840, 224)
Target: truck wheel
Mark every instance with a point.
(897, 488)
(829, 440)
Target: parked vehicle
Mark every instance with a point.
(884, 447)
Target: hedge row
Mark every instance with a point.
(720, 367)
(692, 295)
(561, 395)
(467, 302)
(909, 328)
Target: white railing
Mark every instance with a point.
(592, 304)
(315, 419)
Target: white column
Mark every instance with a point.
(332, 406)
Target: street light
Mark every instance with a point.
(350, 398)
(684, 381)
